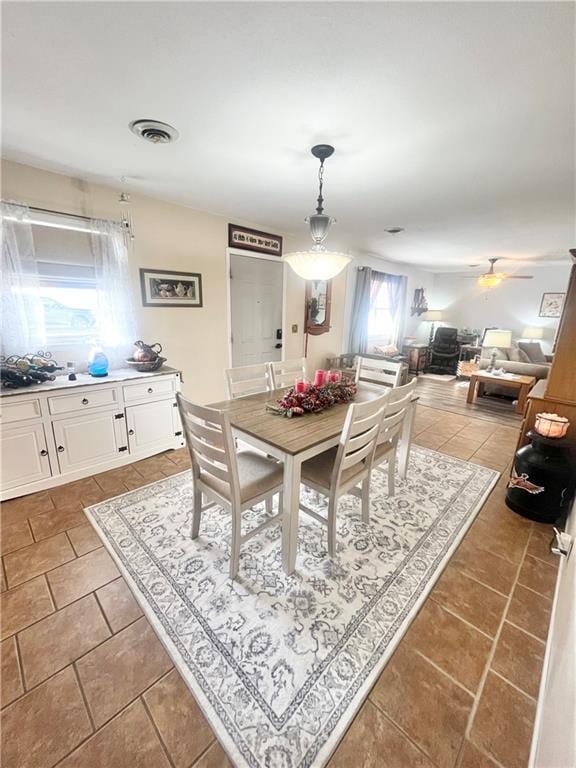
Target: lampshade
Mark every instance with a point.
(489, 280)
(433, 315)
(317, 264)
(533, 333)
(497, 338)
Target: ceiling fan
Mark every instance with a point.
(490, 279)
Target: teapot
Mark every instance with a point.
(146, 353)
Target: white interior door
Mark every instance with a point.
(255, 309)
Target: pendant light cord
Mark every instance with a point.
(319, 207)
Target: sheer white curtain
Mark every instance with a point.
(116, 319)
(22, 310)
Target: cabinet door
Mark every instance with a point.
(152, 425)
(88, 440)
(24, 455)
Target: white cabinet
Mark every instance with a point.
(152, 425)
(24, 455)
(59, 432)
(88, 440)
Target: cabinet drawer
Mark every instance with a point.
(19, 410)
(149, 389)
(80, 402)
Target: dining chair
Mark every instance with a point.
(379, 370)
(339, 470)
(399, 401)
(285, 372)
(234, 481)
(247, 380)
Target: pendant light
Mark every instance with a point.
(318, 263)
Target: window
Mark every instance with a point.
(67, 283)
(382, 325)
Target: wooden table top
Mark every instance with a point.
(291, 436)
(507, 379)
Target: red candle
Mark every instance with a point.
(300, 386)
(319, 377)
(335, 377)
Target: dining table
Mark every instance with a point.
(294, 440)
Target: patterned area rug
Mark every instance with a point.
(280, 665)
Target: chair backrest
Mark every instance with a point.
(396, 411)
(379, 370)
(283, 373)
(247, 380)
(445, 336)
(359, 437)
(211, 447)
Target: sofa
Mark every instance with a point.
(523, 359)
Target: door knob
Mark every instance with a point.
(150, 390)
(60, 448)
(130, 431)
(84, 401)
(43, 452)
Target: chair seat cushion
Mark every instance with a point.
(318, 469)
(257, 473)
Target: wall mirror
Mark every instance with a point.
(318, 300)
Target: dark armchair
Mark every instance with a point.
(444, 351)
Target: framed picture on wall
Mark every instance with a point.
(254, 240)
(551, 304)
(162, 288)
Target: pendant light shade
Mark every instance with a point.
(318, 263)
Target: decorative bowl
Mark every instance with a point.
(146, 366)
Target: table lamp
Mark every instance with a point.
(496, 338)
(533, 334)
(432, 316)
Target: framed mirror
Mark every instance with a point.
(318, 301)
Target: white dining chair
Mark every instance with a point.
(396, 411)
(339, 470)
(234, 481)
(247, 380)
(379, 371)
(284, 373)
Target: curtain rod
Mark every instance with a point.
(56, 213)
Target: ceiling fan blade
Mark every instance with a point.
(518, 277)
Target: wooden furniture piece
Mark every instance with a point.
(341, 469)
(417, 355)
(521, 384)
(318, 305)
(283, 373)
(397, 410)
(63, 430)
(247, 380)
(379, 371)
(234, 481)
(557, 393)
(293, 441)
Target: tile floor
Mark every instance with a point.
(85, 682)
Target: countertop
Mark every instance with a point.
(84, 379)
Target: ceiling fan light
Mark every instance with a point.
(489, 280)
(317, 264)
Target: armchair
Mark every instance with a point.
(444, 351)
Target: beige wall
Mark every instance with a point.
(170, 236)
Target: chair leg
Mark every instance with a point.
(391, 468)
(196, 513)
(332, 507)
(235, 544)
(366, 500)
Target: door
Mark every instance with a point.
(89, 440)
(153, 426)
(255, 310)
(24, 455)
(554, 743)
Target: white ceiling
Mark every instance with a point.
(453, 120)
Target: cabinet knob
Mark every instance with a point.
(130, 431)
(60, 448)
(43, 452)
(150, 390)
(84, 401)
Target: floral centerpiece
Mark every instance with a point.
(314, 399)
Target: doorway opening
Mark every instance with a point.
(256, 309)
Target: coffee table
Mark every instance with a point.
(522, 385)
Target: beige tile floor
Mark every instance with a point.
(85, 681)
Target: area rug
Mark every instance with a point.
(280, 665)
(437, 376)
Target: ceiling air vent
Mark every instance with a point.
(154, 131)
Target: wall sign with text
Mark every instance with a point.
(254, 240)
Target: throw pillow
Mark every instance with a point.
(518, 355)
(390, 350)
(533, 350)
(501, 354)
